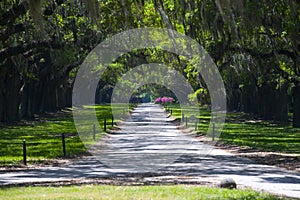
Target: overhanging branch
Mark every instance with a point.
(23, 48)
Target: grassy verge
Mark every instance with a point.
(43, 137)
(129, 192)
(241, 129)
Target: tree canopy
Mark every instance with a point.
(255, 45)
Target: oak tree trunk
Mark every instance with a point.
(296, 106)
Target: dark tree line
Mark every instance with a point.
(255, 45)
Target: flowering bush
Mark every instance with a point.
(170, 99)
(164, 100)
(157, 100)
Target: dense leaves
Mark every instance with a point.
(255, 44)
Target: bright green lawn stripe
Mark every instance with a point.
(181, 192)
(260, 134)
(47, 134)
(265, 135)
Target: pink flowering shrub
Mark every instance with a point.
(157, 100)
(170, 99)
(164, 100)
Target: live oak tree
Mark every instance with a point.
(41, 43)
(255, 45)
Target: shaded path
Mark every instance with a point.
(153, 134)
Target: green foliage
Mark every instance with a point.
(251, 42)
(200, 95)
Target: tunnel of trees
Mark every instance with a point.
(255, 45)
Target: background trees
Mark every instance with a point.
(255, 45)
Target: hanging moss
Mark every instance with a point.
(35, 9)
(93, 8)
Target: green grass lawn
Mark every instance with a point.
(43, 137)
(130, 192)
(243, 130)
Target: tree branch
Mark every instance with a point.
(9, 17)
(23, 48)
(255, 53)
(12, 14)
(10, 30)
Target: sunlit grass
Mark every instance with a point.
(130, 192)
(43, 137)
(244, 130)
